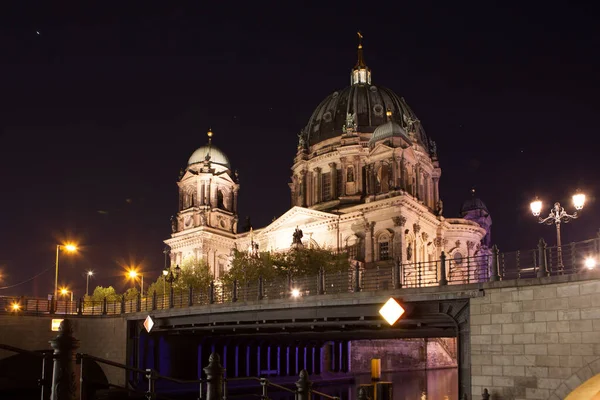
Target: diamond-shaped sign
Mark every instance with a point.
(148, 324)
(391, 311)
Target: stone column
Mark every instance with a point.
(235, 198)
(344, 175)
(370, 245)
(317, 176)
(65, 382)
(358, 174)
(394, 168)
(333, 180)
(418, 193)
(436, 196)
(403, 184)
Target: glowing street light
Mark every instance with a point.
(69, 248)
(15, 306)
(557, 216)
(590, 263)
(65, 291)
(133, 274)
(87, 282)
(295, 293)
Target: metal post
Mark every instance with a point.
(64, 381)
(495, 261)
(357, 277)
(264, 384)
(171, 297)
(105, 306)
(260, 288)
(214, 378)
(42, 382)
(443, 280)
(211, 292)
(559, 248)
(151, 380)
(138, 303)
(397, 281)
(321, 281)
(191, 296)
(122, 304)
(303, 386)
(79, 359)
(234, 296)
(154, 300)
(80, 306)
(543, 265)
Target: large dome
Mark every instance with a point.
(369, 104)
(216, 156)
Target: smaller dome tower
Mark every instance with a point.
(208, 192)
(475, 210)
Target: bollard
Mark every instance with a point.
(543, 267)
(214, 378)
(303, 386)
(362, 394)
(443, 280)
(495, 259)
(485, 395)
(234, 296)
(64, 381)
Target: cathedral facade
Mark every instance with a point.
(365, 180)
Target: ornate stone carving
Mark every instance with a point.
(457, 243)
(409, 252)
(438, 241)
(416, 228)
(350, 124)
(297, 237)
(470, 245)
(425, 236)
(399, 220)
(439, 208)
(173, 224)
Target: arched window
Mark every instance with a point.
(384, 247)
(458, 258)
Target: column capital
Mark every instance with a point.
(317, 169)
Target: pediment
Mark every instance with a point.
(298, 217)
(380, 150)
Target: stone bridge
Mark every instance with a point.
(528, 338)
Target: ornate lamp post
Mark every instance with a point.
(557, 216)
(87, 282)
(170, 275)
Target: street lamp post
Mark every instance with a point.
(171, 276)
(70, 248)
(87, 282)
(558, 216)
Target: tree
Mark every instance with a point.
(247, 268)
(194, 273)
(101, 293)
(131, 294)
(308, 261)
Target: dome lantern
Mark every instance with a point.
(361, 74)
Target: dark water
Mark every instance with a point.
(441, 384)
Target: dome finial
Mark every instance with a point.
(360, 73)
(473, 191)
(388, 114)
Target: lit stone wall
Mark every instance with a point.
(400, 354)
(537, 341)
(100, 337)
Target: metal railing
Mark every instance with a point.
(487, 265)
(45, 356)
(213, 387)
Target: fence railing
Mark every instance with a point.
(46, 357)
(485, 266)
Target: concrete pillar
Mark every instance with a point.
(236, 369)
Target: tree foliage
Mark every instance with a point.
(100, 293)
(193, 272)
(297, 262)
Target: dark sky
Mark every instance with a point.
(101, 109)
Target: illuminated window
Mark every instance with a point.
(339, 182)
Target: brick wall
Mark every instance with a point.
(537, 341)
(100, 337)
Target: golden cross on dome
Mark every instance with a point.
(360, 37)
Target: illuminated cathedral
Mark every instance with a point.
(365, 180)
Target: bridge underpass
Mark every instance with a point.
(281, 338)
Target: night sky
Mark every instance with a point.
(103, 105)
